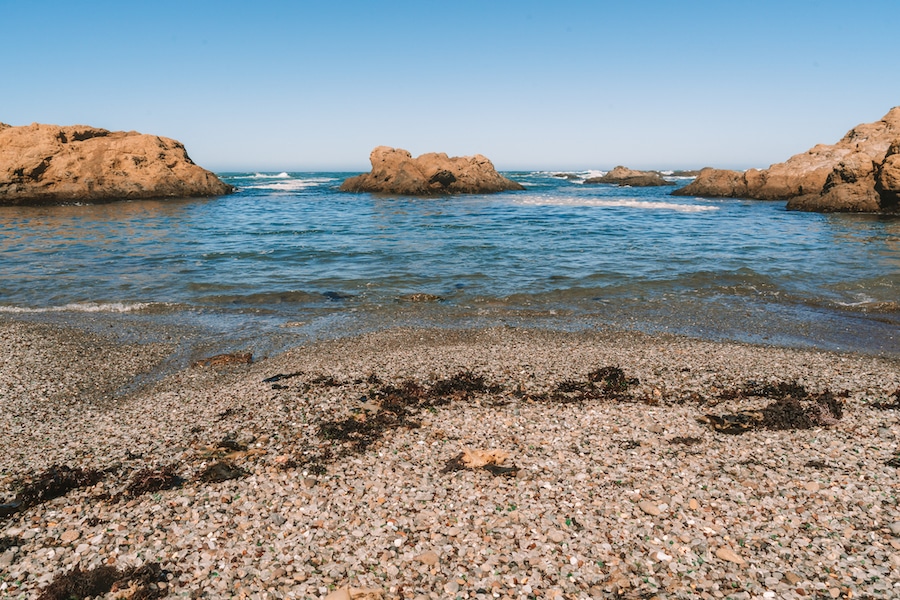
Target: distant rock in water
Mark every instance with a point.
(625, 176)
(395, 171)
(860, 173)
(49, 164)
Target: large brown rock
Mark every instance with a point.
(625, 176)
(49, 164)
(853, 175)
(395, 171)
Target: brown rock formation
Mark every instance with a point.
(857, 174)
(395, 171)
(624, 176)
(49, 164)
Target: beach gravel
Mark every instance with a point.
(346, 468)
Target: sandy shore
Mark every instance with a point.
(335, 469)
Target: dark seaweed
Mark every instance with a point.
(788, 412)
(56, 481)
(77, 584)
(147, 481)
(220, 471)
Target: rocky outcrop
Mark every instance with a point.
(624, 176)
(395, 171)
(49, 164)
(857, 174)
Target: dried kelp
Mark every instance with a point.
(56, 481)
(141, 583)
(151, 480)
(793, 408)
(220, 471)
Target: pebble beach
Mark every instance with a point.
(422, 463)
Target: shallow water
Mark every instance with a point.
(289, 257)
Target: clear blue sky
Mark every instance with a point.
(308, 85)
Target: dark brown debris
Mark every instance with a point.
(7, 542)
(229, 442)
(282, 377)
(462, 384)
(612, 379)
(325, 381)
(398, 405)
(56, 481)
(605, 383)
(793, 408)
(151, 480)
(817, 464)
(895, 405)
(685, 440)
(220, 471)
(141, 583)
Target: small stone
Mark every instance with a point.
(277, 519)
(70, 535)
(811, 486)
(727, 554)
(693, 504)
(557, 537)
(341, 594)
(451, 587)
(6, 559)
(834, 592)
(650, 508)
(792, 578)
(895, 528)
(429, 558)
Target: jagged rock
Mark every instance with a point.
(857, 174)
(50, 164)
(625, 176)
(395, 171)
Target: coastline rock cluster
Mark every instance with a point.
(50, 164)
(395, 171)
(860, 173)
(624, 176)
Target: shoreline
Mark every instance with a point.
(614, 492)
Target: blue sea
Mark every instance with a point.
(290, 258)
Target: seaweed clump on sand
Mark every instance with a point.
(793, 407)
(138, 583)
(397, 405)
(151, 480)
(220, 471)
(605, 383)
(895, 405)
(56, 481)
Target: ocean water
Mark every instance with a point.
(290, 258)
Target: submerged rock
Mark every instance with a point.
(625, 176)
(860, 173)
(395, 171)
(50, 164)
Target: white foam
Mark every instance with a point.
(617, 203)
(87, 307)
(290, 185)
